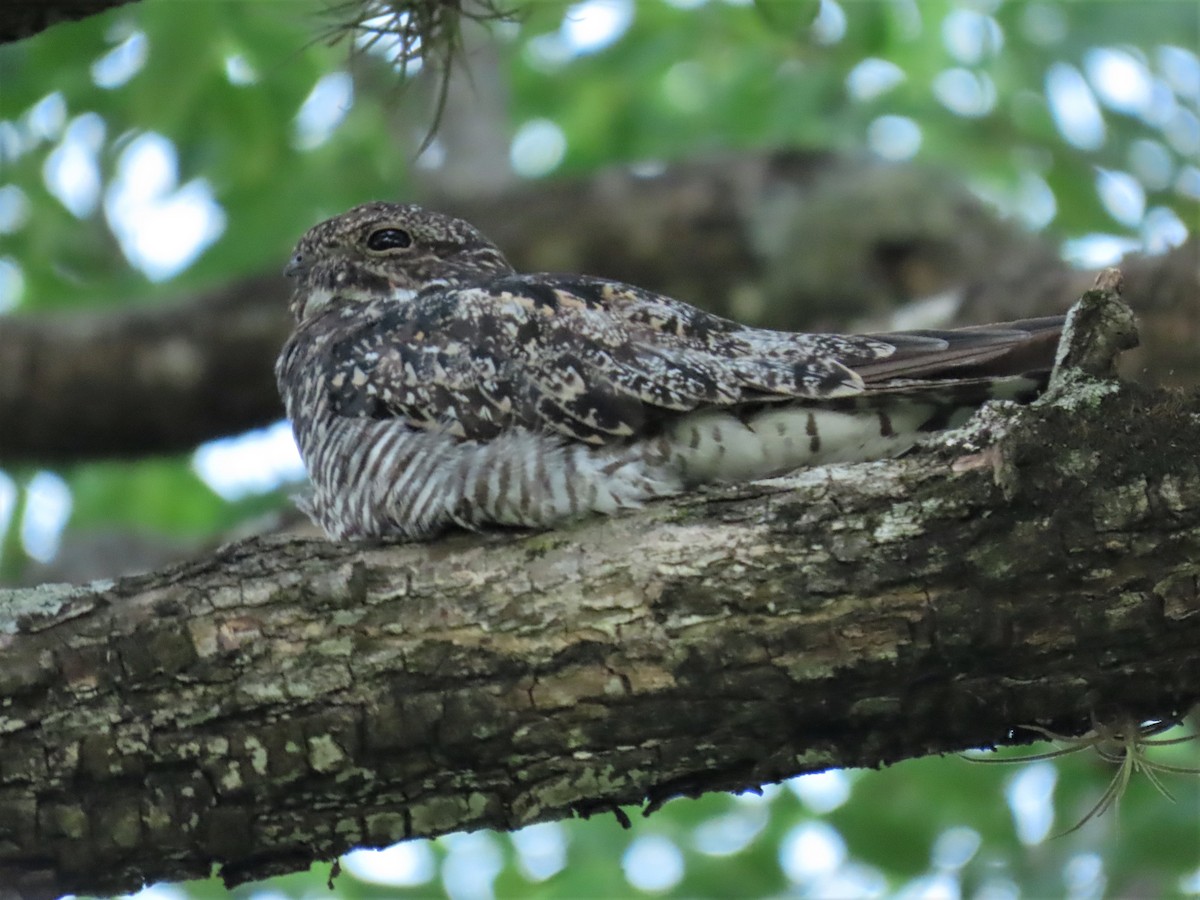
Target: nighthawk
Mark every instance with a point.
(430, 385)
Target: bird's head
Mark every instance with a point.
(386, 250)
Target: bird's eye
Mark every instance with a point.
(388, 239)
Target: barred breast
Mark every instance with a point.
(377, 477)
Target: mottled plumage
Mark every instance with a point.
(430, 385)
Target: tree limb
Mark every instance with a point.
(20, 19)
(776, 239)
(142, 380)
(286, 700)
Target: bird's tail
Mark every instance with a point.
(1023, 347)
(934, 380)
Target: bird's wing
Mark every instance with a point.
(597, 360)
(591, 359)
(426, 361)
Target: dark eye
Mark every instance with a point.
(388, 239)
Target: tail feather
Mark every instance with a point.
(1010, 348)
(933, 380)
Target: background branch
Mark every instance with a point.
(143, 380)
(20, 19)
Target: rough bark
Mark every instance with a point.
(287, 699)
(787, 240)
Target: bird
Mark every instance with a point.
(432, 387)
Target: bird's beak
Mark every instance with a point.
(295, 267)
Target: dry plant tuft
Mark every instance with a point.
(412, 32)
(1124, 744)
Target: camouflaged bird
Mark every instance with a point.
(430, 385)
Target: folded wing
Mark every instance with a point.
(599, 361)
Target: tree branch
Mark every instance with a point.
(286, 700)
(20, 19)
(143, 380)
(777, 239)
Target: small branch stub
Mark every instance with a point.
(1098, 328)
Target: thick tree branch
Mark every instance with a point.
(778, 240)
(143, 380)
(288, 699)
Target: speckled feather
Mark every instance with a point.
(574, 355)
(429, 384)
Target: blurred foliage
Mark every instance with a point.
(145, 496)
(224, 83)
